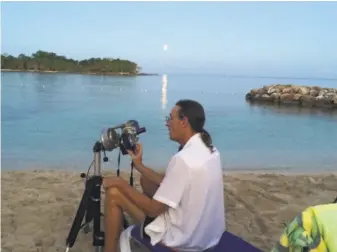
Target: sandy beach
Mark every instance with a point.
(38, 207)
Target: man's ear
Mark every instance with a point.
(184, 122)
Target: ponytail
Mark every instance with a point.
(207, 139)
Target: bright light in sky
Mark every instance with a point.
(165, 47)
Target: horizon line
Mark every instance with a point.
(213, 74)
(254, 76)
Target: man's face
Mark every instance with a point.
(175, 125)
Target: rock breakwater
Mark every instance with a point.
(296, 95)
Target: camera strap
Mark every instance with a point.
(118, 170)
(118, 162)
(131, 174)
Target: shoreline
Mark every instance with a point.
(38, 211)
(80, 73)
(127, 168)
(226, 170)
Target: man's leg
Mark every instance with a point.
(115, 204)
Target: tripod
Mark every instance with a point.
(90, 205)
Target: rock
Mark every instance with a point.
(272, 90)
(249, 97)
(282, 87)
(276, 97)
(307, 100)
(254, 91)
(330, 95)
(266, 98)
(261, 91)
(334, 100)
(286, 97)
(323, 102)
(314, 92)
(296, 89)
(295, 95)
(304, 90)
(287, 90)
(265, 89)
(321, 93)
(257, 97)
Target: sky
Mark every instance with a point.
(297, 39)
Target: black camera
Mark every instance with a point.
(126, 140)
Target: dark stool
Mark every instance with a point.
(228, 243)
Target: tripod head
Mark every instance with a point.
(125, 140)
(110, 139)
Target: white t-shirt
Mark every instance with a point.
(193, 190)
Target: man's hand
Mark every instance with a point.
(137, 155)
(148, 173)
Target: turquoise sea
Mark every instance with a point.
(53, 120)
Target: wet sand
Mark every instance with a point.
(38, 207)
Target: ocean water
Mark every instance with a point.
(51, 121)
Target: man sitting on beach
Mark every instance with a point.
(182, 209)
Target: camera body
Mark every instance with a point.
(126, 140)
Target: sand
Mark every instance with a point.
(38, 206)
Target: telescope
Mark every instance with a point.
(90, 205)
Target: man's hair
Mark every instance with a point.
(195, 114)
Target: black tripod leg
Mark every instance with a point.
(98, 236)
(88, 216)
(76, 226)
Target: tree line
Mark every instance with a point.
(49, 61)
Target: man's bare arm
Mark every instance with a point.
(150, 174)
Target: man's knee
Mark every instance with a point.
(116, 198)
(113, 196)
